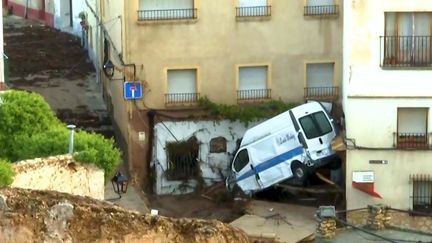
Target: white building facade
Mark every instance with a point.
(387, 101)
(205, 156)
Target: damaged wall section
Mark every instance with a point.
(216, 143)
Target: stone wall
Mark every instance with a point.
(397, 219)
(60, 173)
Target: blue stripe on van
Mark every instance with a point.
(272, 162)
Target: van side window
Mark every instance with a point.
(241, 160)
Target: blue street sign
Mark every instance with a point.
(132, 90)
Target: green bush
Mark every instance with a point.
(29, 129)
(25, 113)
(246, 113)
(22, 114)
(6, 173)
(51, 142)
(94, 148)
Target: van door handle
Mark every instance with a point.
(320, 140)
(257, 177)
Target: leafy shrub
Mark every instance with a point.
(246, 113)
(51, 142)
(6, 173)
(22, 114)
(29, 129)
(94, 148)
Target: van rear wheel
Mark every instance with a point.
(299, 170)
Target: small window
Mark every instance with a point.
(182, 159)
(241, 160)
(182, 86)
(320, 8)
(218, 145)
(166, 10)
(253, 83)
(422, 193)
(412, 128)
(315, 125)
(253, 8)
(319, 81)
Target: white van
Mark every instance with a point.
(285, 146)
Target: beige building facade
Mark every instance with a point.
(387, 102)
(232, 52)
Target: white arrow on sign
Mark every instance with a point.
(133, 88)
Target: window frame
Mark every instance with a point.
(195, 14)
(267, 9)
(316, 124)
(266, 92)
(329, 93)
(416, 208)
(406, 141)
(405, 51)
(238, 155)
(321, 10)
(194, 96)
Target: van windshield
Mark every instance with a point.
(315, 125)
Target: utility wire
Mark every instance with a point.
(172, 134)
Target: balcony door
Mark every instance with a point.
(166, 9)
(412, 127)
(253, 3)
(253, 83)
(165, 4)
(182, 86)
(408, 37)
(319, 80)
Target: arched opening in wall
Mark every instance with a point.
(218, 145)
(182, 160)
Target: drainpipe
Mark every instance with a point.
(151, 118)
(26, 9)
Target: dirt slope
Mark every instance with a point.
(37, 216)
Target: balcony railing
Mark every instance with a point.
(256, 11)
(167, 14)
(321, 93)
(321, 10)
(412, 140)
(181, 98)
(253, 94)
(406, 51)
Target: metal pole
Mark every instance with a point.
(71, 128)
